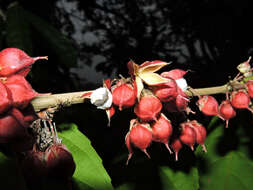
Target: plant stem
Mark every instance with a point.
(67, 99)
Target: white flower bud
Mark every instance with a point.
(182, 84)
(102, 98)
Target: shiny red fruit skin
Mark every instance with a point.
(176, 146)
(208, 105)
(174, 74)
(148, 108)
(22, 92)
(5, 98)
(59, 161)
(129, 147)
(123, 95)
(200, 131)
(140, 136)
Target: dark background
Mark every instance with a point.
(88, 41)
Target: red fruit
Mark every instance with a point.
(188, 135)
(60, 162)
(33, 167)
(226, 111)
(240, 100)
(200, 133)
(123, 95)
(22, 92)
(249, 85)
(176, 146)
(128, 144)
(141, 136)
(5, 98)
(167, 91)
(148, 108)
(174, 74)
(162, 131)
(15, 61)
(208, 105)
(10, 129)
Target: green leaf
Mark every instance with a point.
(89, 168)
(54, 40)
(223, 166)
(18, 29)
(179, 180)
(10, 175)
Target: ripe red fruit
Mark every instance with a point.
(123, 95)
(5, 98)
(240, 100)
(141, 136)
(148, 108)
(176, 146)
(226, 111)
(10, 129)
(15, 61)
(188, 135)
(200, 133)
(249, 85)
(167, 91)
(208, 105)
(162, 131)
(60, 162)
(22, 92)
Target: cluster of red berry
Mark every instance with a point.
(17, 116)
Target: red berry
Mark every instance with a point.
(5, 98)
(162, 131)
(176, 146)
(60, 162)
(208, 105)
(200, 133)
(188, 135)
(240, 100)
(167, 91)
(148, 108)
(15, 61)
(141, 136)
(123, 95)
(22, 92)
(226, 111)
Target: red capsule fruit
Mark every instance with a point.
(200, 131)
(59, 161)
(249, 85)
(141, 136)
(188, 135)
(162, 131)
(148, 108)
(208, 105)
(16, 61)
(123, 95)
(226, 111)
(129, 147)
(240, 100)
(21, 91)
(174, 74)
